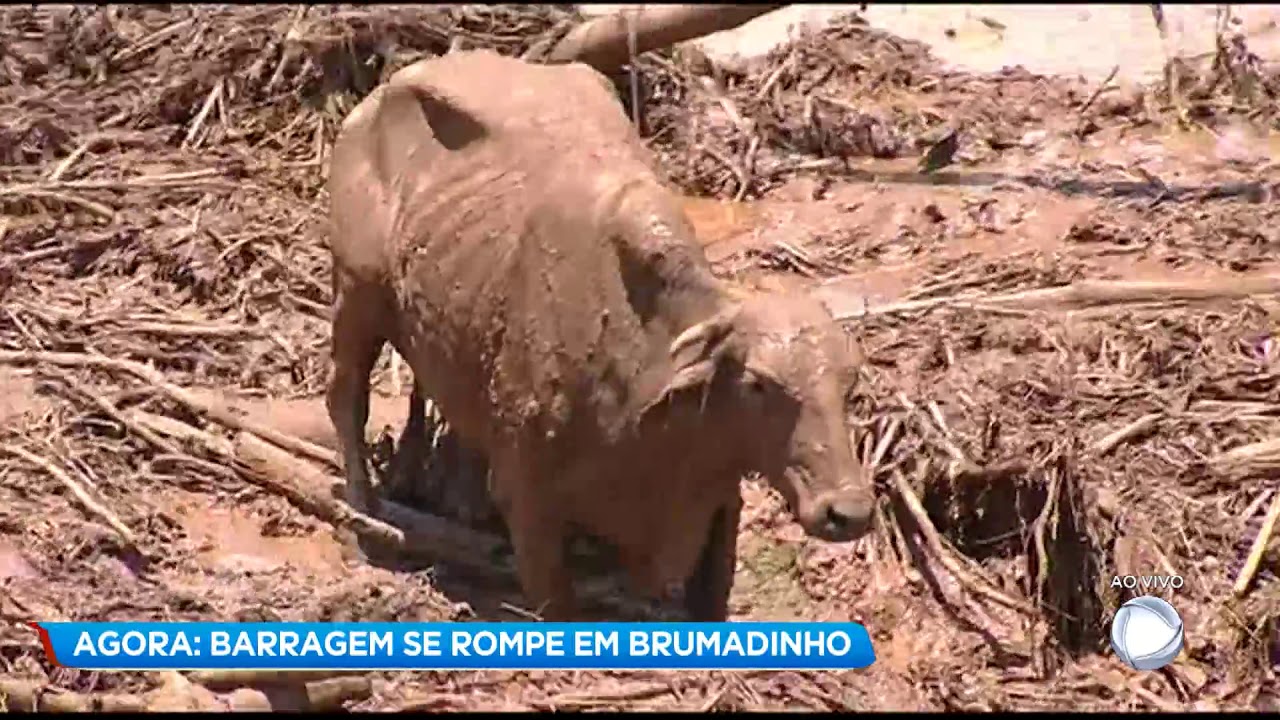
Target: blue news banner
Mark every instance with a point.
(456, 646)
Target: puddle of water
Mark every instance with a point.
(1233, 143)
(1087, 40)
(1200, 148)
(236, 542)
(715, 220)
(1031, 220)
(727, 229)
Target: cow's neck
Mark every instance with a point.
(701, 438)
(658, 236)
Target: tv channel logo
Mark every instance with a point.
(1146, 633)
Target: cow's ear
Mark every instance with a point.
(698, 352)
(401, 121)
(407, 117)
(453, 127)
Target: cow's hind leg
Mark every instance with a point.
(707, 590)
(409, 461)
(358, 336)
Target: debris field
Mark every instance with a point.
(1067, 295)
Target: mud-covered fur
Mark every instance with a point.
(501, 224)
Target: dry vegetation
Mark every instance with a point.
(1039, 420)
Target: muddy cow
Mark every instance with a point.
(502, 225)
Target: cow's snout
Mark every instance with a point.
(842, 515)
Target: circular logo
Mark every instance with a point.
(1146, 633)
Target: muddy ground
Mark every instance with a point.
(1040, 420)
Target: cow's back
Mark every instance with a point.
(571, 109)
(513, 309)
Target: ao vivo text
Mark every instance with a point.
(1148, 582)
(444, 646)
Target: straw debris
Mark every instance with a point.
(1037, 422)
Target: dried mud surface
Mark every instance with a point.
(1039, 419)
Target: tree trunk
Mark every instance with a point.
(603, 42)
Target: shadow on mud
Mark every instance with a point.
(1039, 516)
(495, 596)
(449, 482)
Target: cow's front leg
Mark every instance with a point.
(539, 538)
(706, 595)
(357, 341)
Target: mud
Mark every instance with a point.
(205, 257)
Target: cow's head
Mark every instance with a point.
(781, 367)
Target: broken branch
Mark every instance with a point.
(157, 380)
(81, 495)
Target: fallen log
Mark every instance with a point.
(306, 418)
(322, 696)
(333, 694)
(604, 42)
(411, 533)
(1085, 295)
(223, 680)
(297, 692)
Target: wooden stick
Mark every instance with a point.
(36, 193)
(139, 181)
(1265, 452)
(151, 41)
(70, 160)
(285, 475)
(167, 426)
(1094, 97)
(187, 330)
(1259, 548)
(81, 495)
(137, 428)
(1133, 430)
(1256, 503)
(198, 122)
